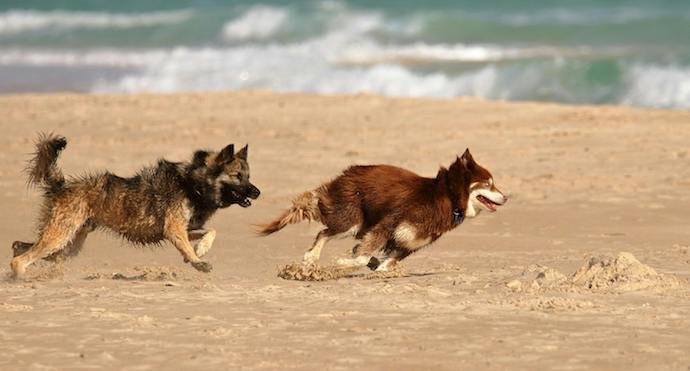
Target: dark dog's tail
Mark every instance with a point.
(304, 207)
(42, 168)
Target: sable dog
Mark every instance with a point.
(169, 201)
(392, 209)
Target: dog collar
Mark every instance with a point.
(458, 216)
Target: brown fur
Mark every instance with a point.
(386, 207)
(304, 207)
(169, 201)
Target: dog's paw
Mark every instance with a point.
(18, 268)
(374, 264)
(202, 266)
(309, 258)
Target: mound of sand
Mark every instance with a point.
(536, 278)
(600, 273)
(313, 272)
(622, 273)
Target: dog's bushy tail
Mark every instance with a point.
(304, 207)
(42, 168)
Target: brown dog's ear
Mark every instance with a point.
(466, 159)
(242, 153)
(227, 153)
(457, 166)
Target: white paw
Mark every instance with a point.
(309, 258)
(386, 266)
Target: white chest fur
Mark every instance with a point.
(406, 235)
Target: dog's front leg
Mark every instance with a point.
(206, 236)
(176, 232)
(371, 242)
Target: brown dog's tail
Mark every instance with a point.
(304, 207)
(42, 168)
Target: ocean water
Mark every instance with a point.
(581, 52)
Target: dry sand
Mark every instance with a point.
(586, 267)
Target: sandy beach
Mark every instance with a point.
(587, 266)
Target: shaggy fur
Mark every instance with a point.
(169, 201)
(390, 209)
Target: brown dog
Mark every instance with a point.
(392, 209)
(169, 201)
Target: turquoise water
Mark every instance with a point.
(584, 52)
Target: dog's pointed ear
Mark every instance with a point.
(466, 159)
(227, 153)
(242, 153)
(456, 167)
(199, 158)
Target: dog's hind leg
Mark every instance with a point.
(58, 232)
(206, 237)
(72, 249)
(314, 253)
(176, 232)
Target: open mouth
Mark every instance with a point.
(488, 203)
(241, 199)
(231, 195)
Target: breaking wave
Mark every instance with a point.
(258, 22)
(17, 21)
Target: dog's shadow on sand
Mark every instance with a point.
(313, 272)
(142, 274)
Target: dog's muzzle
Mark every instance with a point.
(251, 193)
(239, 195)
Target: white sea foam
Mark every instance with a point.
(655, 86)
(297, 67)
(258, 22)
(211, 69)
(251, 67)
(17, 21)
(422, 52)
(91, 58)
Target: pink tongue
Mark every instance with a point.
(488, 203)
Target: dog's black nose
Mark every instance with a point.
(254, 192)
